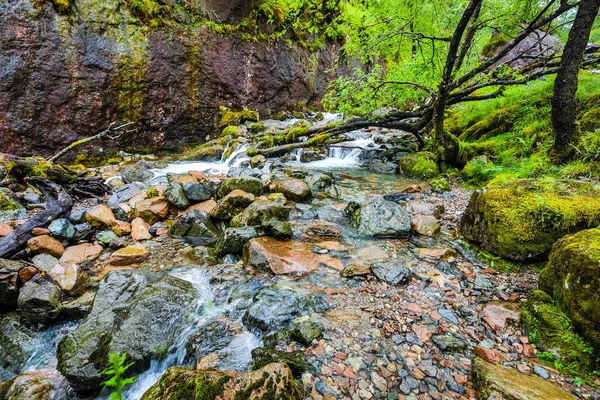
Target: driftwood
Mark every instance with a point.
(106, 133)
(57, 204)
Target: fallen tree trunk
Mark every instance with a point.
(55, 207)
(286, 148)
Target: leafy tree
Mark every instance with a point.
(116, 371)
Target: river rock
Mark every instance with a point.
(259, 212)
(9, 283)
(78, 216)
(46, 244)
(296, 361)
(498, 382)
(136, 173)
(175, 195)
(381, 218)
(71, 278)
(293, 189)
(232, 204)
(276, 306)
(234, 239)
(83, 231)
(62, 228)
(258, 161)
(126, 193)
(196, 192)
(278, 229)
(435, 210)
(420, 165)
(523, 219)
(81, 253)
(152, 210)
(78, 307)
(282, 258)
(10, 207)
(425, 225)
(391, 272)
(140, 230)
(196, 227)
(101, 217)
(121, 228)
(247, 184)
(273, 381)
(39, 299)
(572, 278)
(129, 255)
(128, 316)
(44, 262)
(15, 343)
(43, 384)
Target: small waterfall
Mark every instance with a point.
(236, 355)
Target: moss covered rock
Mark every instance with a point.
(572, 278)
(10, 207)
(273, 381)
(209, 151)
(522, 219)
(247, 184)
(420, 165)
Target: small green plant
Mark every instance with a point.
(533, 337)
(116, 371)
(546, 356)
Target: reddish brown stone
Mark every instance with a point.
(46, 244)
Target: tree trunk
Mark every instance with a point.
(564, 106)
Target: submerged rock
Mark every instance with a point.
(133, 313)
(523, 219)
(273, 381)
(276, 306)
(381, 218)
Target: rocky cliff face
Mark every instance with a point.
(66, 74)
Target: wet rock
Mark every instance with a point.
(425, 225)
(175, 195)
(282, 258)
(152, 210)
(420, 165)
(276, 306)
(273, 381)
(391, 272)
(78, 216)
(203, 254)
(259, 212)
(232, 204)
(9, 283)
(196, 192)
(10, 207)
(43, 384)
(449, 343)
(234, 239)
(310, 155)
(140, 230)
(512, 220)
(46, 245)
(381, 167)
(129, 255)
(121, 228)
(107, 237)
(70, 278)
(15, 343)
(278, 229)
(293, 189)
(247, 184)
(44, 262)
(381, 218)
(305, 331)
(128, 316)
(210, 338)
(297, 361)
(83, 231)
(62, 228)
(136, 174)
(435, 210)
(101, 217)
(77, 308)
(196, 227)
(126, 193)
(258, 161)
(572, 276)
(498, 382)
(39, 299)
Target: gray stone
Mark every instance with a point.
(39, 299)
(541, 372)
(175, 195)
(196, 192)
(449, 343)
(381, 218)
(78, 216)
(196, 227)
(391, 272)
(9, 283)
(234, 239)
(83, 231)
(136, 174)
(44, 262)
(482, 282)
(448, 315)
(15, 343)
(126, 192)
(106, 237)
(278, 229)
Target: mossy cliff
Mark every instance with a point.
(523, 219)
(77, 66)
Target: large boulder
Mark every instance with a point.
(498, 382)
(128, 316)
(420, 165)
(572, 277)
(259, 213)
(523, 219)
(196, 227)
(39, 299)
(43, 384)
(293, 189)
(381, 218)
(9, 283)
(247, 184)
(273, 381)
(276, 306)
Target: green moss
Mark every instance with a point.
(232, 131)
(209, 151)
(494, 44)
(257, 127)
(420, 165)
(153, 192)
(229, 117)
(546, 322)
(250, 115)
(590, 120)
(439, 185)
(495, 123)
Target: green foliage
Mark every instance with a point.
(494, 44)
(116, 371)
